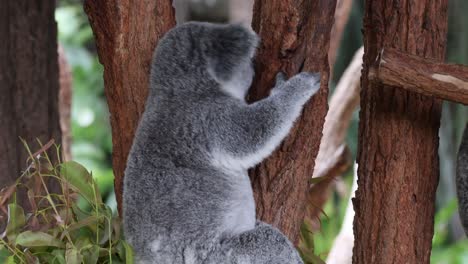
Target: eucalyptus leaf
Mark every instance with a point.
(307, 236)
(59, 256)
(81, 181)
(80, 214)
(106, 228)
(16, 220)
(38, 239)
(10, 260)
(89, 221)
(73, 256)
(4, 254)
(128, 253)
(91, 255)
(317, 180)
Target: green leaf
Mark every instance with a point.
(91, 255)
(4, 254)
(128, 253)
(89, 221)
(317, 180)
(10, 260)
(16, 221)
(59, 256)
(105, 228)
(72, 256)
(80, 214)
(307, 236)
(38, 239)
(81, 181)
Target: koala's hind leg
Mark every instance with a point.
(262, 245)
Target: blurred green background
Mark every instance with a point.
(92, 144)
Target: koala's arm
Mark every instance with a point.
(462, 180)
(248, 134)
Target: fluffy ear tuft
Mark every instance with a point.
(232, 45)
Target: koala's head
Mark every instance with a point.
(200, 51)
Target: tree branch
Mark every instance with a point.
(421, 75)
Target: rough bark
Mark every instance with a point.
(333, 157)
(126, 34)
(295, 36)
(29, 85)
(398, 138)
(420, 75)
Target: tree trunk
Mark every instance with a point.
(398, 138)
(295, 36)
(126, 34)
(29, 85)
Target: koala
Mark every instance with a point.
(187, 196)
(462, 180)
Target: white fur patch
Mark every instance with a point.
(228, 162)
(155, 245)
(240, 215)
(189, 256)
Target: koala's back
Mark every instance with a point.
(173, 196)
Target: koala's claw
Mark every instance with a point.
(316, 75)
(280, 78)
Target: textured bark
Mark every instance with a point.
(126, 34)
(398, 138)
(425, 76)
(29, 85)
(295, 36)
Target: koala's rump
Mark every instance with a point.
(181, 202)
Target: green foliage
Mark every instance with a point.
(443, 250)
(55, 228)
(91, 135)
(307, 246)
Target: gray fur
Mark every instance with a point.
(187, 196)
(462, 180)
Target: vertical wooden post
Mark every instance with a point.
(398, 138)
(295, 37)
(126, 34)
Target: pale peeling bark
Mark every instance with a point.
(343, 10)
(126, 34)
(295, 37)
(65, 100)
(398, 138)
(333, 157)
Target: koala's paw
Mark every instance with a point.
(281, 78)
(303, 85)
(307, 81)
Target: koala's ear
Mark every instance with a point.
(231, 45)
